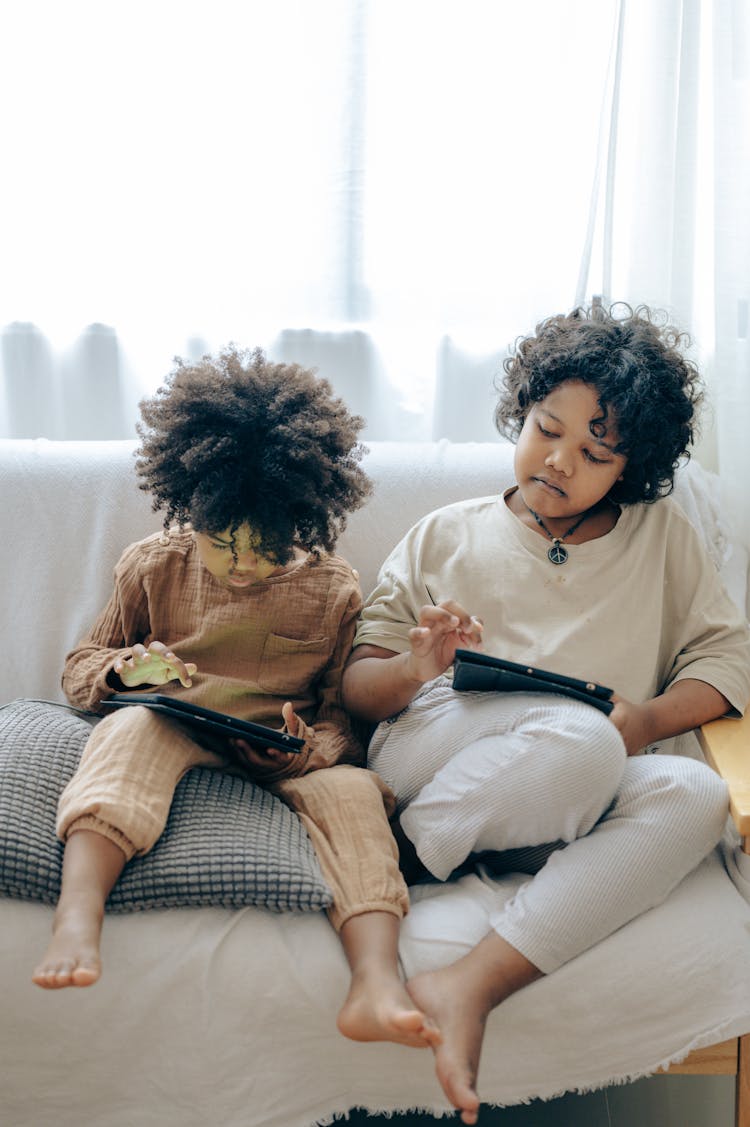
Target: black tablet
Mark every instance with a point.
(206, 719)
(474, 672)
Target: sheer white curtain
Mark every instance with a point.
(673, 221)
(391, 190)
(173, 179)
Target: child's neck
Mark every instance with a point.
(590, 524)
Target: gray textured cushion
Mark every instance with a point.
(227, 842)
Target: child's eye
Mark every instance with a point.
(547, 433)
(220, 547)
(597, 461)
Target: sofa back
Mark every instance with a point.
(67, 510)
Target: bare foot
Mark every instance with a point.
(72, 958)
(459, 999)
(91, 865)
(461, 1022)
(378, 1007)
(381, 1010)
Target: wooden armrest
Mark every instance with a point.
(726, 746)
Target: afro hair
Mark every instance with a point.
(634, 359)
(234, 439)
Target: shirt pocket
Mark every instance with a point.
(289, 666)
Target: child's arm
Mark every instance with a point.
(378, 682)
(112, 656)
(685, 705)
(122, 622)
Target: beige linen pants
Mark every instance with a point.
(134, 759)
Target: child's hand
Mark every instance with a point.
(153, 666)
(442, 629)
(271, 756)
(632, 722)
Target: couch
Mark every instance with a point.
(226, 1015)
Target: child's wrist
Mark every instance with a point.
(411, 675)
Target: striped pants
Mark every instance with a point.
(545, 780)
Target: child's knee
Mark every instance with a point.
(358, 785)
(701, 794)
(129, 736)
(589, 744)
(344, 786)
(689, 802)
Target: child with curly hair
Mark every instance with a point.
(577, 570)
(240, 606)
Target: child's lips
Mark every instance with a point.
(555, 490)
(240, 580)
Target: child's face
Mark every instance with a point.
(565, 461)
(236, 569)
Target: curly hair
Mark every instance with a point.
(634, 359)
(234, 439)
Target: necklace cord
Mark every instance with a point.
(565, 535)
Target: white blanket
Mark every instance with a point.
(218, 1017)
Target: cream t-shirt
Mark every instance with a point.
(635, 609)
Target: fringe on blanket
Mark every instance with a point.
(702, 1041)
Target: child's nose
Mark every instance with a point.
(247, 559)
(559, 460)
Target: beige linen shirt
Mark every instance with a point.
(285, 638)
(636, 609)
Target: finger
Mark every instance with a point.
(190, 670)
(473, 635)
(178, 669)
(290, 718)
(138, 652)
(278, 756)
(420, 638)
(457, 609)
(184, 671)
(249, 755)
(438, 617)
(264, 759)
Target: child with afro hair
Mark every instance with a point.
(241, 606)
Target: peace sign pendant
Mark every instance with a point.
(558, 553)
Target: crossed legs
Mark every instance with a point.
(633, 827)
